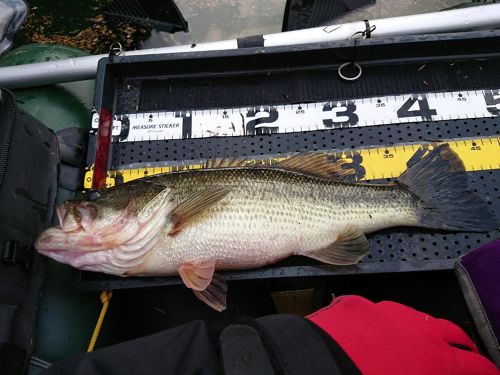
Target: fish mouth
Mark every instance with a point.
(81, 249)
(74, 248)
(78, 240)
(115, 261)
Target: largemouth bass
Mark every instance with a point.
(231, 215)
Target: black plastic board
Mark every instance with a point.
(284, 75)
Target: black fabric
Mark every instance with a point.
(12, 359)
(28, 185)
(12, 252)
(242, 351)
(71, 178)
(7, 315)
(276, 344)
(28, 173)
(346, 365)
(297, 347)
(265, 342)
(182, 350)
(73, 146)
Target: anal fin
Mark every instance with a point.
(215, 294)
(349, 247)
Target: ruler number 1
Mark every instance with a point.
(187, 123)
(492, 102)
(423, 110)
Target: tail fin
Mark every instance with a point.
(440, 182)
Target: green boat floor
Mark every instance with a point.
(59, 106)
(66, 318)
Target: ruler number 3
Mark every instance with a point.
(343, 113)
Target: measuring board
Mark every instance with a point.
(172, 113)
(376, 163)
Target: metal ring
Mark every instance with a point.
(354, 78)
(116, 48)
(367, 33)
(357, 33)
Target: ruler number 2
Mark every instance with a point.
(256, 126)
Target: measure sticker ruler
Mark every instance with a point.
(271, 119)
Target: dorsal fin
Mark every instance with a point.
(316, 164)
(231, 162)
(312, 163)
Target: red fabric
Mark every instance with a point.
(389, 338)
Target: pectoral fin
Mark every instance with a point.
(195, 205)
(215, 294)
(197, 275)
(349, 246)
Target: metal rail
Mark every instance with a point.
(82, 68)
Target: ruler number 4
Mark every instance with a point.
(423, 110)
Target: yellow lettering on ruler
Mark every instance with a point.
(478, 154)
(387, 162)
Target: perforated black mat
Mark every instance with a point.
(135, 154)
(134, 85)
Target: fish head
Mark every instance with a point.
(110, 233)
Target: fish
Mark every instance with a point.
(231, 215)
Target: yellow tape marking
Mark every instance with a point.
(379, 162)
